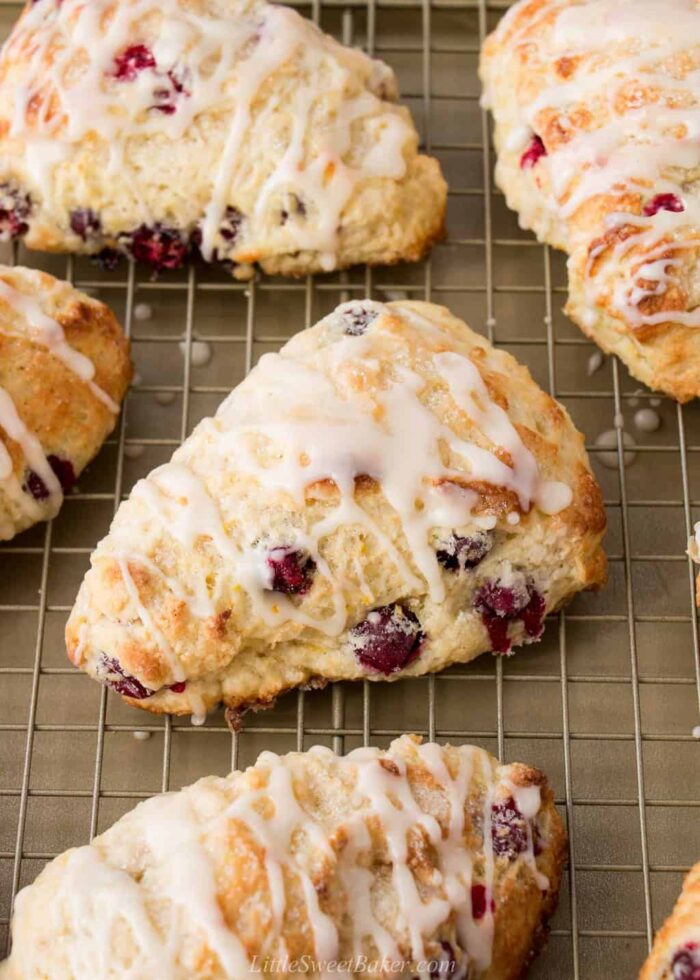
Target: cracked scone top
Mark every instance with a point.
(231, 128)
(64, 369)
(597, 110)
(385, 496)
(420, 856)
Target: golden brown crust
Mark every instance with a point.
(680, 934)
(609, 102)
(233, 864)
(70, 418)
(231, 652)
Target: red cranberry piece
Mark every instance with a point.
(532, 616)
(15, 207)
(63, 468)
(85, 222)
(497, 628)
(357, 318)
(686, 963)
(663, 202)
(179, 687)
(503, 600)
(168, 95)
(160, 247)
(388, 640)
(479, 902)
(132, 61)
(113, 674)
(458, 554)
(532, 155)
(292, 571)
(500, 605)
(508, 829)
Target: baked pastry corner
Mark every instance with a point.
(676, 951)
(64, 369)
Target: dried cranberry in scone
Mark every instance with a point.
(111, 672)
(686, 963)
(388, 640)
(132, 61)
(510, 599)
(533, 154)
(158, 246)
(63, 468)
(15, 208)
(663, 202)
(291, 570)
(85, 223)
(457, 553)
(508, 829)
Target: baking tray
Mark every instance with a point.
(606, 703)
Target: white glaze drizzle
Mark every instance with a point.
(93, 896)
(290, 425)
(224, 63)
(15, 428)
(43, 330)
(47, 332)
(643, 150)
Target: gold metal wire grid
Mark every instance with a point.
(605, 704)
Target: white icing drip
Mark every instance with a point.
(93, 899)
(147, 620)
(36, 459)
(528, 800)
(178, 846)
(47, 332)
(290, 426)
(641, 150)
(222, 64)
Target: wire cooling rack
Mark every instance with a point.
(605, 704)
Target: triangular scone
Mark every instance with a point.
(676, 952)
(231, 128)
(437, 860)
(596, 104)
(387, 495)
(64, 369)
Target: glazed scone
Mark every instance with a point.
(676, 952)
(421, 856)
(234, 129)
(596, 104)
(386, 496)
(64, 368)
